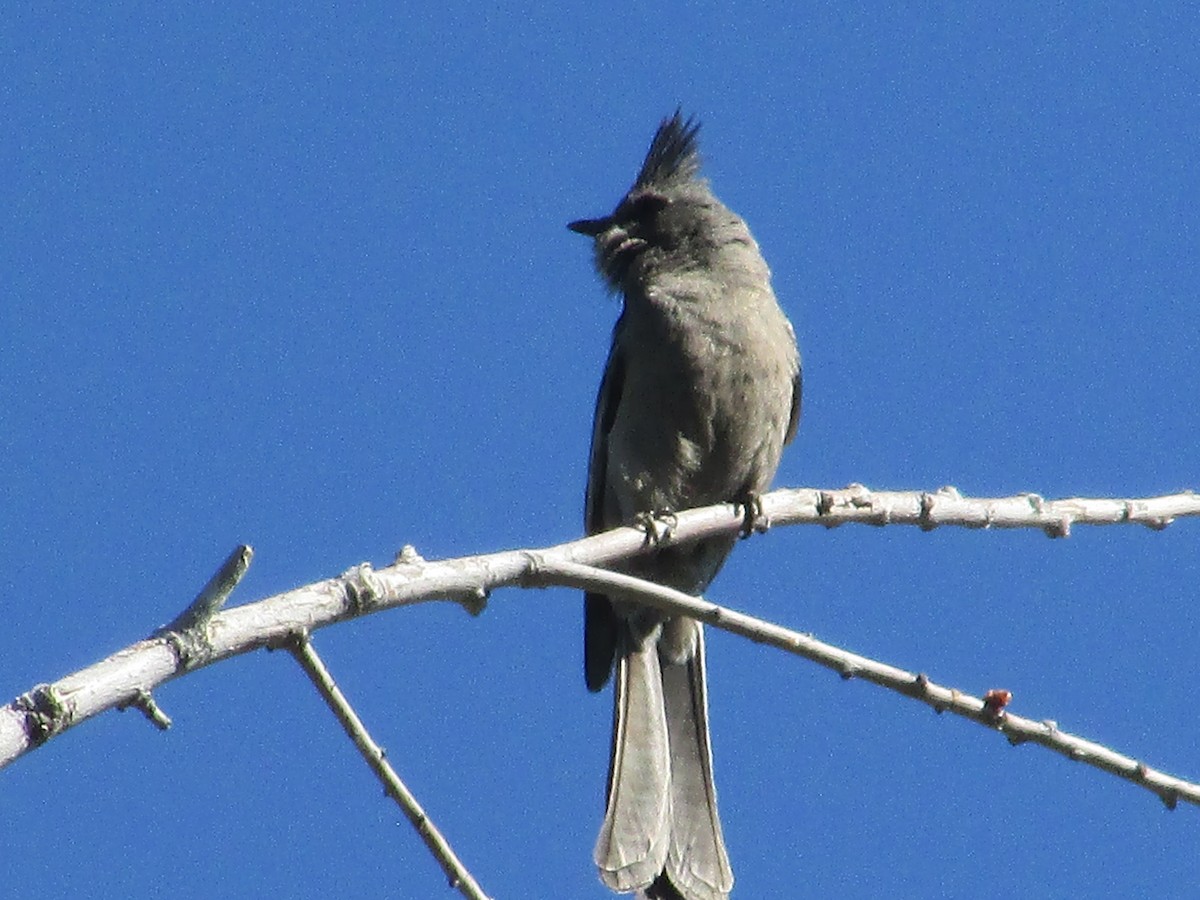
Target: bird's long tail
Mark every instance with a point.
(661, 829)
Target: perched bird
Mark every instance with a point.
(700, 394)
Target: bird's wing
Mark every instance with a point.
(600, 626)
(797, 390)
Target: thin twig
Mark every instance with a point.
(143, 701)
(460, 878)
(986, 711)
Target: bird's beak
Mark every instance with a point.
(591, 227)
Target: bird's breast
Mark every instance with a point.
(705, 404)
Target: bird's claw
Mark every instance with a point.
(753, 518)
(658, 526)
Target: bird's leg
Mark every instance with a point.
(658, 525)
(753, 518)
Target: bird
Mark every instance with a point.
(700, 394)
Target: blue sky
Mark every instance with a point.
(299, 277)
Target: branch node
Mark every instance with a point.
(46, 713)
(859, 495)
(290, 640)
(1058, 528)
(533, 575)
(408, 556)
(925, 517)
(187, 633)
(825, 501)
(143, 700)
(1170, 799)
(994, 702)
(942, 706)
(362, 589)
(192, 647)
(475, 600)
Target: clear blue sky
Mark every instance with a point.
(300, 277)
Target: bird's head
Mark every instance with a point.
(669, 218)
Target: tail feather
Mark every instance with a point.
(697, 863)
(661, 834)
(633, 843)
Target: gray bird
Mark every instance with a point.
(700, 394)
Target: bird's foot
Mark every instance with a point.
(658, 525)
(754, 520)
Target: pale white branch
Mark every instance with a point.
(460, 877)
(128, 676)
(988, 710)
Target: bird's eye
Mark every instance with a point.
(647, 205)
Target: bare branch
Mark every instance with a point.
(144, 701)
(49, 709)
(214, 594)
(188, 632)
(460, 878)
(988, 711)
(947, 506)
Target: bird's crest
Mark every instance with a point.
(673, 157)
